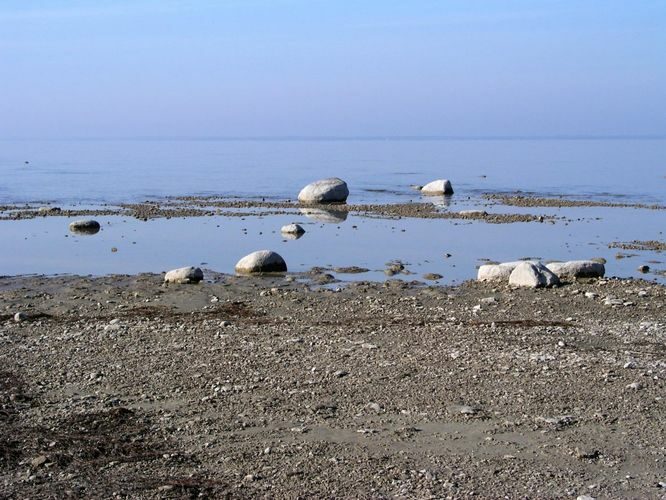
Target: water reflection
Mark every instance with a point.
(323, 215)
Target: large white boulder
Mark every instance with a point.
(497, 272)
(578, 269)
(262, 261)
(184, 275)
(438, 187)
(532, 275)
(87, 226)
(332, 190)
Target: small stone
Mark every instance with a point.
(591, 295)
(40, 460)
(20, 316)
(635, 386)
(340, 373)
(184, 275)
(368, 346)
(630, 365)
(585, 497)
(292, 229)
(84, 226)
(644, 269)
(374, 407)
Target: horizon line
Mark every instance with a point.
(545, 137)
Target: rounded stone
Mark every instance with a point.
(262, 261)
(438, 187)
(292, 229)
(331, 190)
(184, 275)
(87, 226)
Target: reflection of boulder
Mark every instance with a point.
(321, 215)
(292, 236)
(440, 201)
(84, 227)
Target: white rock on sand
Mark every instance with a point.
(578, 269)
(532, 275)
(292, 229)
(332, 190)
(184, 275)
(438, 187)
(262, 261)
(497, 272)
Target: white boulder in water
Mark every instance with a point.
(533, 275)
(438, 187)
(184, 275)
(578, 269)
(292, 229)
(332, 190)
(262, 261)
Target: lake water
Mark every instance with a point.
(97, 172)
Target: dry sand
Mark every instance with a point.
(275, 387)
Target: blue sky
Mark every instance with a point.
(332, 68)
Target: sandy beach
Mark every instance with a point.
(281, 387)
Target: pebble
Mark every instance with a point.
(643, 269)
(591, 295)
(340, 373)
(20, 316)
(635, 386)
(374, 407)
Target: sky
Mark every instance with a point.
(332, 68)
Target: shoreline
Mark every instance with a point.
(265, 386)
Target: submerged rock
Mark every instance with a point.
(578, 269)
(533, 275)
(184, 275)
(438, 187)
(331, 190)
(262, 261)
(88, 226)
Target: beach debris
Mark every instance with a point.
(261, 261)
(184, 275)
(292, 230)
(438, 187)
(49, 210)
(577, 269)
(331, 190)
(533, 275)
(644, 269)
(87, 226)
(473, 213)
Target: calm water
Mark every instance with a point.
(95, 172)
(98, 171)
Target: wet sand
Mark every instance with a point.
(278, 387)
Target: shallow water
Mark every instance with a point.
(91, 173)
(44, 245)
(99, 171)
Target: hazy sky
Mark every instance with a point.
(127, 68)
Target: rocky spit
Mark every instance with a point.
(274, 387)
